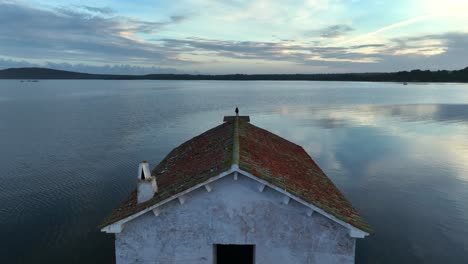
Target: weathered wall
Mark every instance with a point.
(234, 212)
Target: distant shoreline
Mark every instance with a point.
(415, 76)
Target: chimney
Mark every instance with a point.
(147, 186)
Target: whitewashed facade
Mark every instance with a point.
(235, 216)
(240, 212)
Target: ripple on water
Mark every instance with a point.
(68, 156)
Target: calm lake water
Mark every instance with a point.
(69, 152)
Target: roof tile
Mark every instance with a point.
(287, 166)
(261, 153)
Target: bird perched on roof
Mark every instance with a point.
(237, 111)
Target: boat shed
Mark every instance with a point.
(235, 194)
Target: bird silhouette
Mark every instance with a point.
(237, 111)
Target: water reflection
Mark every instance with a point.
(427, 112)
(330, 122)
(405, 167)
(400, 154)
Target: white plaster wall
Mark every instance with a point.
(234, 212)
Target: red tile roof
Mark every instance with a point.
(191, 163)
(287, 166)
(257, 151)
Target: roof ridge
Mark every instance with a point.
(235, 142)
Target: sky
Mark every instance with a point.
(234, 36)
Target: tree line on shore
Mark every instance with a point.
(401, 76)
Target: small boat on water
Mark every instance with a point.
(405, 83)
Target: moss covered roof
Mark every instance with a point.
(191, 163)
(257, 151)
(287, 166)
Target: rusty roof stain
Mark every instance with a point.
(257, 151)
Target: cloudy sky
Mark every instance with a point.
(234, 36)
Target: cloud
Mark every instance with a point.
(269, 51)
(101, 10)
(97, 36)
(72, 35)
(393, 26)
(434, 51)
(335, 31)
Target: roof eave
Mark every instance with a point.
(117, 226)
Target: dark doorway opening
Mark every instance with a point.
(234, 254)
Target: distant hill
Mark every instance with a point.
(44, 73)
(403, 76)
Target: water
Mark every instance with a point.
(69, 152)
